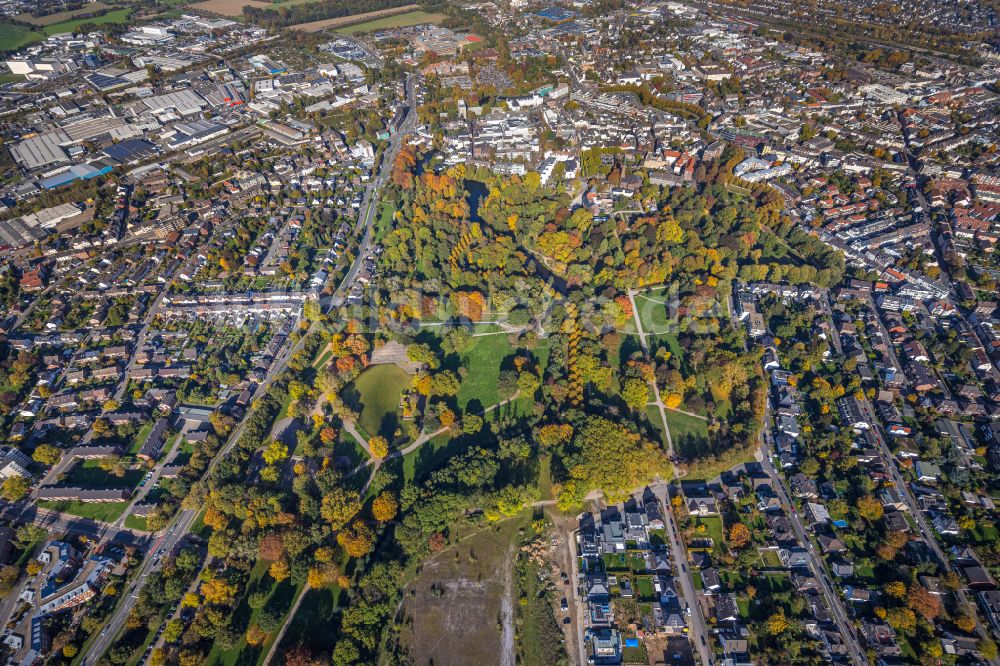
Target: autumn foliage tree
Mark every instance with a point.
(357, 539)
(272, 548)
(384, 507)
(255, 635)
(739, 536)
(921, 601)
(378, 446)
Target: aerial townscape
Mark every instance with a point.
(499, 332)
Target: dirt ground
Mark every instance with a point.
(228, 7)
(460, 603)
(661, 651)
(563, 556)
(316, 26)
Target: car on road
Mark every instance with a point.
(567, 620)
(564, 605)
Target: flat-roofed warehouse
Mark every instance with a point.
(184, 102)
(83, 130)
(41, 150)
(49, 218)
(16, 233)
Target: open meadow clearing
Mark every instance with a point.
(457, 609)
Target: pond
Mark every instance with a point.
(477, 193)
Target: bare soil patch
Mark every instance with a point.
(457, 610)
(316, 26)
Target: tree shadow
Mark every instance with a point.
(351, 397)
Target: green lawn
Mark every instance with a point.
(184, 453)
(350, 448)
(135, 523)
(545, 477)
(652, 311)
(417, 463)
(653, 413)
(316, 609)
(281, 596)
(13, 37)
(770, 559)
(199, 528)
(116, 16)
(87, 474)
(323, 360)
(383, 225)
(398, 21)
(140, 439)
(713, 528)
(375, 394)
(688, 433)
(107, 512)
(483, 360)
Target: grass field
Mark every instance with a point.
(397, 21)
(87, 474)
(139, 439)
(104, 511)
(13, 37)
(483, 360)
(349, 448)
(280, 598)
(653, 413)
(713, 528)
(59, 17)
(473, 576)
(416, 464)
(316, 609)
(688, 433)
(375, 394)
(116, 16)
(652, 311)
(135, 523)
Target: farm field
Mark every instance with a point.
(233, 8)
(228, 8)
(116, 16)
(13, 37)
(59, 17)
(476, 579)
(395, 21)
(339, 21)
